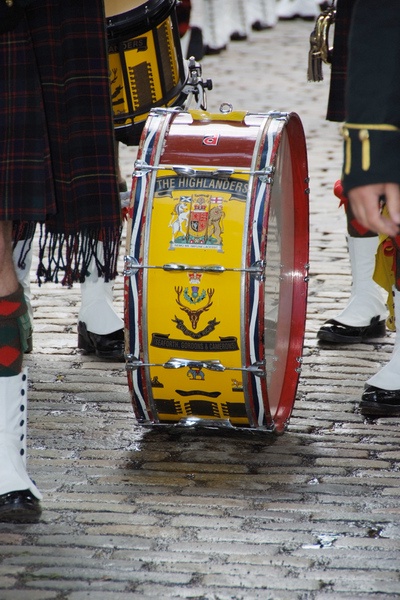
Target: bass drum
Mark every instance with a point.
(145, 59)
(217, 269)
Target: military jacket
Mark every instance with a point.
(372, 128)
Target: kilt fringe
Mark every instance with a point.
(57, 148)
(65, 258)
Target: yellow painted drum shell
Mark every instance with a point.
(145, 61)
(218, 246)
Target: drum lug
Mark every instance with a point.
(266, 175)
(257, 269)
(133, 363)
(141, 168)
(131, 266)
(257, 368)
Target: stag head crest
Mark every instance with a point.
(194, 315)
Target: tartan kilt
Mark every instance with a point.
(57, 155)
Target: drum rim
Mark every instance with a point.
(277, 421)
(294, 132)
(139, 20)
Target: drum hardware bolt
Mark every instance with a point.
(132, 363)
(131, 266)
(298, 370)
(299, 359)
(141, 168)
(307, 191)
(257, 369)
(265, 175)
(257, 270)
(225, 108)
(306, 279)
(194, 65)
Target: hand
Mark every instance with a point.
(365, 203)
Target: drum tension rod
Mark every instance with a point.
(133, 363)
(142, 168)
(132, 266)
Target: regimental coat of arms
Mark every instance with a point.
(197, 221)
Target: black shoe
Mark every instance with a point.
(298, 16)
(109, 347)
(211, 50)
(260, 26)
(337, 333)
(236, 36)
(380, 403)
(19, 507)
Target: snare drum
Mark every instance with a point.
(145, 60)
(217, 269)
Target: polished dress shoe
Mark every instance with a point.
(379, 402)
(334, 332)
(260, 26)
(109, 347)
(211, 50)
(19, 507)
(237, 36)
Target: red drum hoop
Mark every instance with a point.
(217, 270)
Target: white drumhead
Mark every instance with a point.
(118, 7)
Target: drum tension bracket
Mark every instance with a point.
(266, 175)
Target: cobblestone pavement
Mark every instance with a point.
(134, 514)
